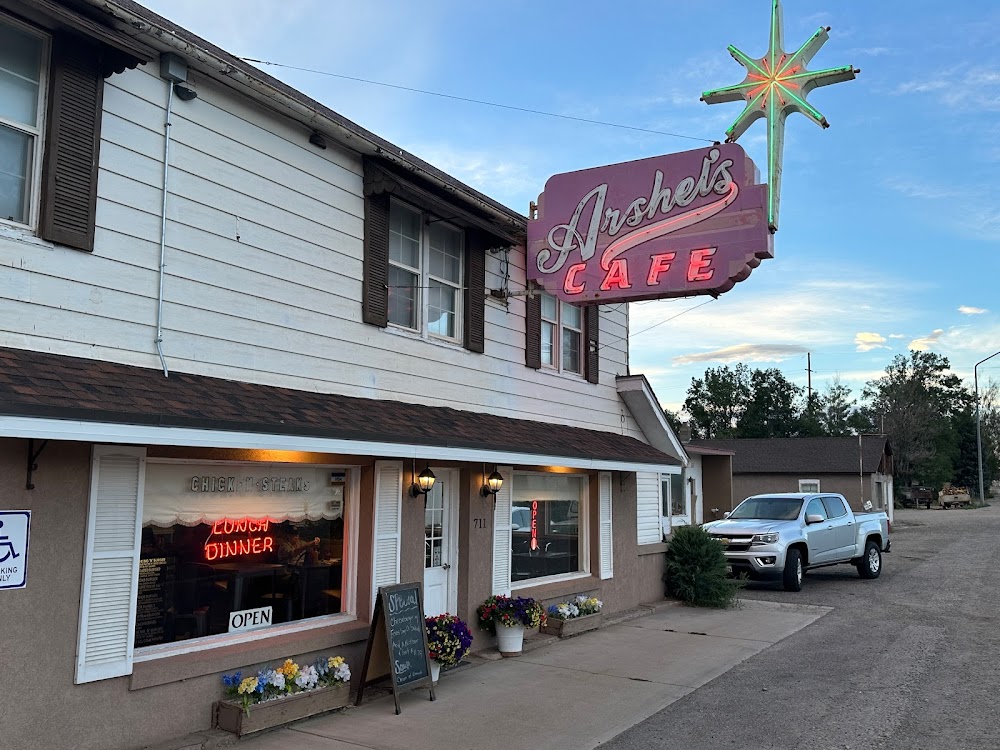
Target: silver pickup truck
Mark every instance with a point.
(783, 535)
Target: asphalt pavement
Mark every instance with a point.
(910, 660)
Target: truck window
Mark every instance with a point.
(815, 508)
(834, 507)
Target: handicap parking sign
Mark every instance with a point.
(14, 526)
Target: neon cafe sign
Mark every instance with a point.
(252, 538)
(682, 224)
(668, 226)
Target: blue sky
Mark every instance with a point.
(890, 220)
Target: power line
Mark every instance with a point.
(477, 101)
(672, 317)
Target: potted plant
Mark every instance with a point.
(448, 639)
(574, 617)
(280, 695)
(507, 617)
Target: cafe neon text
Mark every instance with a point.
(252, 540)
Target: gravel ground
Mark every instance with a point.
(910, 660)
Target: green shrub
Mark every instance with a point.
(696, 570)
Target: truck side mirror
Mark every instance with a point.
(814, 518)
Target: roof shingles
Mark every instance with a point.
(803, 455)
(48, 385)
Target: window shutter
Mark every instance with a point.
(475, 290)
(72, 144)
(604, 525)
(502, 524)
(592, 335)
(111, 564)
(533, 331)
(388, 519)
(648, 508)
(375, 292)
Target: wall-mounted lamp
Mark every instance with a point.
(424, 483)
(492, 485)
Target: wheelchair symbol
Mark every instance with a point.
(11, 553)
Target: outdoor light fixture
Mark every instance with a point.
(424, 483)
(493, 484)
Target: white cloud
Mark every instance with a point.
(968, 87)
(924, 343)
(868, 341)
(897, 335)
(969, 310)
(744, 353)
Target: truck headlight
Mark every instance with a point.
(769, 538)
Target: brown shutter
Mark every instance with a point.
(533, 331)
(375, 291)
(72, 144)
(476, 244)
(591, 334)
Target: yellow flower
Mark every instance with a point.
(334, 661)
(248, 685)
(290, 669)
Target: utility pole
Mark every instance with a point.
(809, 371)
(979, 430)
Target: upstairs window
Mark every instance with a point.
(562, 335)
(23, 56)
(426, 258)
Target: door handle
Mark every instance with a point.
(830, 526)
(446, 566)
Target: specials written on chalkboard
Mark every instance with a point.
(397, 642)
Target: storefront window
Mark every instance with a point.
(222, 539)
(548, 523)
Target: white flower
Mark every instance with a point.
(278, 680)
(307, 678)
(343, 672)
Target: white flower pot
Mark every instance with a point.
(510, 639)
(435, 671)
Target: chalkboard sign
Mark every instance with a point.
(397, 642)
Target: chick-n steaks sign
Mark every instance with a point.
(669, 226)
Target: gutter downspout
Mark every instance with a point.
(365, 142)
(163, 229)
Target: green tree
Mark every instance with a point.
(915, 401)
(771, 410)
(717, 401)
(810, 421)
(836, 409)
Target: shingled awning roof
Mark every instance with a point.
(805, 455)
(34, 384)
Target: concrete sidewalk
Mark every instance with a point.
(575, 693)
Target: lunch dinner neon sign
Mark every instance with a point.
(668, 226)
(252, 540)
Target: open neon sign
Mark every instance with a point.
(534, 524)
(255, 542)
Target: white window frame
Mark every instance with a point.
(349, 600)
(424, 278)
(38, 132)
(583, 532)
(809, 482)
(670, 519)
(558, 326)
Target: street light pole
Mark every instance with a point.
(979, 429)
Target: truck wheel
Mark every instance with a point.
(792, 575)
(870, 565)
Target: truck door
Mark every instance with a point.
(819, 536)
(844, 528)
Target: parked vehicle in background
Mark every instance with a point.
(783, 535)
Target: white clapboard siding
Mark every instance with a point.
(605, 528)
(502, 525)
(388, 524)
(263, 273)
(111, 565)
(648, 507)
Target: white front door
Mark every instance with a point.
(441, 545)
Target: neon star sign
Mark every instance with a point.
(776, 85)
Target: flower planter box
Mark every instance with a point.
(229, 715)
(573, 626)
